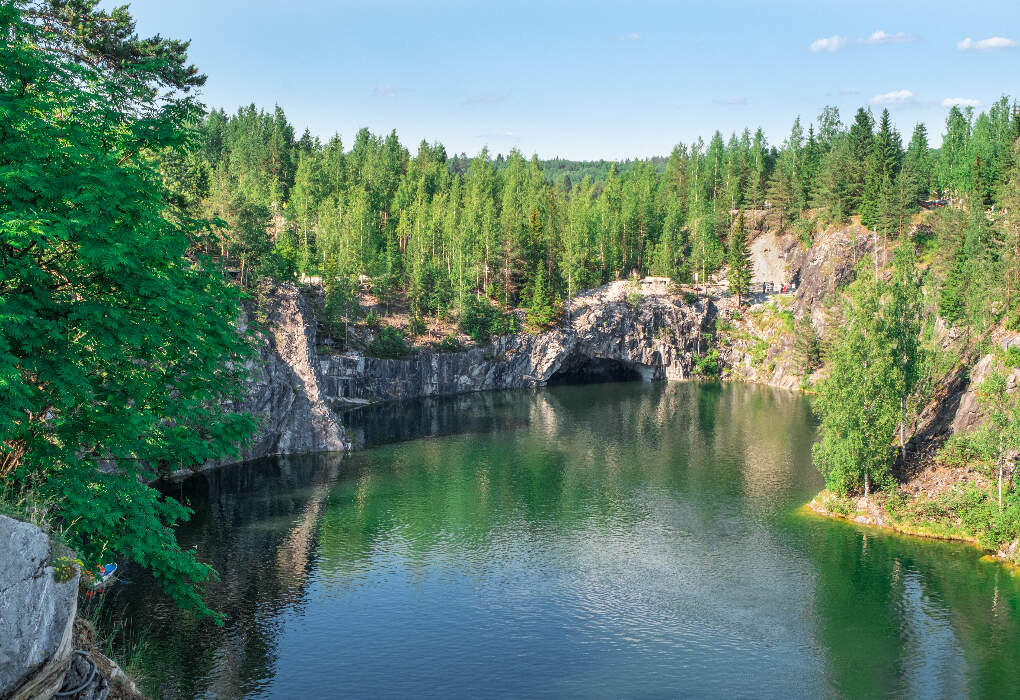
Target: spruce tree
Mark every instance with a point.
(739, 259)
(807, 346)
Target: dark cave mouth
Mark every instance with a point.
(594, 370)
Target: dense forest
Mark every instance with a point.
(442, 230)
(133, 222)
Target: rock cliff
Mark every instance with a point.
(37, 609)
(622, 329)
(284, 390)
(625, 329)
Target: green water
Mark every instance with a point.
(616, 540)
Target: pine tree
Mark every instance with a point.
(739, 259)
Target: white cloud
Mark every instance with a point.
(731, 101)
(879, 36)
(990, 44)
(961, 102)
(896, 97)
(633, 36)
(832, 43)
(386, 90)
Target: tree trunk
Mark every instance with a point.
(867, 484)
(1000, 485)
(903, 428)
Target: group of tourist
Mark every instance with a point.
(770, 288)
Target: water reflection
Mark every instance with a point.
(613, 540)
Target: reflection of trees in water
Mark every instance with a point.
(911, 618)
(573, 459)
(256, 523)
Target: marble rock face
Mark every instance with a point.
(36, 614)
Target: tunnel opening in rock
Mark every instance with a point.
(581, 369)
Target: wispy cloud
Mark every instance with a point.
(486, 99)
(876, 38)
(993, 43)
(880, 36)
(961, 102)
(832, 43)
(633, 36)
(896, 97)
(849, 91)
(731, 101)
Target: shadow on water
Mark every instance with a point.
(626, 539)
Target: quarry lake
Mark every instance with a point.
(625, 540)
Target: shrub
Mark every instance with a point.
(481, 320)
(786, 319)
(805, 232)
(634, 299)
(449, 344)
(416, 326)
(690, 298)
(759, 352)
(1011, 358)
(707, 365)
(389, 344)
(960, 450)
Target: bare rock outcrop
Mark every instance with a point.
(284, 390)
(968, 412)
(624, 328)
(36, 613)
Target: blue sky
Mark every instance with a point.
(591, 79)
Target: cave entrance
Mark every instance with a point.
(581, 369)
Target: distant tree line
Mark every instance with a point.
(442, 230)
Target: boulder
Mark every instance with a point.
(36, 614)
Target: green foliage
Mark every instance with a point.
(416, 325)
(739, 259)
(634, 299)
(481, 320)
(690, 298)
(388, 344)
(64, 568)
(786, 320)
(858, 402)
(806, 346)
(708, 364)
(542, 312)
(449, 343)
(805, 230)
(1011, 357)
(115, 339)
(341, 301)
(965, 451)
(759, 352)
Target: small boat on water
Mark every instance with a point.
(101, 576)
